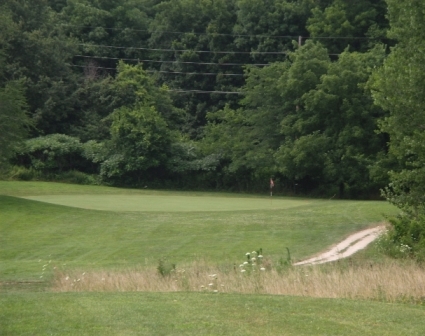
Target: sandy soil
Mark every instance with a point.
(347, 247)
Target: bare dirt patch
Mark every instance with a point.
(347, 247)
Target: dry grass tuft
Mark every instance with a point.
(390, 281)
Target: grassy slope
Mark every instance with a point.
(202, 314)
(34, 233)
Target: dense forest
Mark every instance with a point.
(324, 96)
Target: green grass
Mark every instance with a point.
(34, 233)
(168, 203)
(201, 314)
(219, 228)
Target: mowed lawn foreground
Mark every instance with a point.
(202, 314)
(38, 238)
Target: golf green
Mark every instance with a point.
(168, 203)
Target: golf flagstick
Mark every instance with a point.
(271, 187)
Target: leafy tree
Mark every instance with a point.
(133, 86)
(142, 128)
(14, 121)
(94, 98)
(331, 139)
(270, 26)
(107, 31)
(346, 22)
(140, 141)
(249, 137)
(399, 88)
(37, 52)
(204, 33)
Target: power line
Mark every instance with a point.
(235, 35)
(156, 61)
(167, 72)
(200, 91)
(185, 50)
(171, 90)
(196, 73)
(179, 32)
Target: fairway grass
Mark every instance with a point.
(35, 233)
(202, 314)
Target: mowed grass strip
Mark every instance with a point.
(202, 314)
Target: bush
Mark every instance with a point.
(52, 153)
(406, 238)
(29, 174)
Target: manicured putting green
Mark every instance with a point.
(168, 203)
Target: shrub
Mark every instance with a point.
(405, 239)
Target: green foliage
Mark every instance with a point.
(343, 19)
(308, 119)
(186, 157)
(37, 52)
(133, 87)
(14, 121)
(398, 87)
(21, 173)
(165, 268)
(95, 99)
(405, 239)
(52, 153)
(140, 141)
(66, 55)
(331, 138)
(24, 174)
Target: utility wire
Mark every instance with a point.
(200, 91)
(167, 72)
(170, 90)
(236, 35)
(156, 61)
(184, 50)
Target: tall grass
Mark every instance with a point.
(385, 281)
